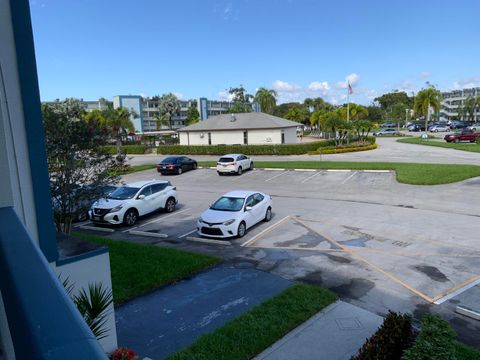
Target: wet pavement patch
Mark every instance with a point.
(169, 319)
(338, 259)
(432, 272)
(355, 289)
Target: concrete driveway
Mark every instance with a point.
(389, 150)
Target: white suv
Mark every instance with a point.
(234, 164)
(128, 202)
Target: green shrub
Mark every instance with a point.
(126, 149)
(270, 149)
(390, 341)
(435, 341)
(347, 149)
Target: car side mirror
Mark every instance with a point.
(141, 197)
(248, 208)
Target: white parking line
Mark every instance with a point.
(457, 292)
(260, 234)
(348, 178)
(188, 233)
(86, 222)
(273, 177)
(338, 170)
(165, 217)
(249, 172)
(310, 177)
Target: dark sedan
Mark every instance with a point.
(176, 165)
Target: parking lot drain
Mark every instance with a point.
(95, 228)
(208, 241)
(148, 233)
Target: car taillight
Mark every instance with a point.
(232, 163)
(170, 166)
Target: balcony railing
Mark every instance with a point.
(43, 321)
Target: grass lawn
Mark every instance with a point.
(457, 146)
(135, 168)
(465, 352)
(254, 331)
(407, 173)
(137, 269)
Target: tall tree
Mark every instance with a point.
(471, 106)
(169, 105)
(193, 116)
(118, 122)
(267, 98)
(161, 120)
(78, 163)
(301, 115)
(375, 113)
(426, 99)
(388, 100)
(242, 101)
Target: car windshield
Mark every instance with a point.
(123, 193)
(225, 159)
(228, 204)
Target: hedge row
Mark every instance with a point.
(395, 340)
(333, 150)
(273, 149)
(126, 149)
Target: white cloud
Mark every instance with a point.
(178, 95)
(468, 82)
(424, 75)
(224, 95)
(323, 86)
(351, 79)
(283, 86)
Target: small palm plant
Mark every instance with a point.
(92, 305)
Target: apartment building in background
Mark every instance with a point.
(452, 100)
(146, 110)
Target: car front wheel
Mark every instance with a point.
(130, 217)
(268, 214)
(242, 229)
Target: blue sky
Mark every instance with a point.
(301, 48)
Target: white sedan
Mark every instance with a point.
(128, 202)
(234, 213)
(234, 164)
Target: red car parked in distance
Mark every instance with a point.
(462, 135)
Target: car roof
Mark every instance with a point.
(139, 184)
(231, 155)
(241, 193)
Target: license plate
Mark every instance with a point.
(164, 167)
(96, 218)
(224, 165)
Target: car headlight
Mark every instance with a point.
(201, 220)
(229, 222)
(116, 208)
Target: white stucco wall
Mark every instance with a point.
(95, 269)
(260, 136)
(290, 135)
(16, 189)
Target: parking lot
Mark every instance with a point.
(379, 243)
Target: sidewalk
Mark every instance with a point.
(337, 332)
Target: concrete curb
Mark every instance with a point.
(468, 312)
(208, 241)
(96, 228)
(147, 233)
(313, 170)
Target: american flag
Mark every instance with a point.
(350, 90)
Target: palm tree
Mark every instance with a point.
(161, 120)
(118, 122)
(168, 105)
(426, 99)
(267, 98)
(470, 106)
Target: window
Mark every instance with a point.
(250, 201)
(147, 191)
(209, 138)
(245, 137)
(158, 187)
(258, 198)
(283, 137)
